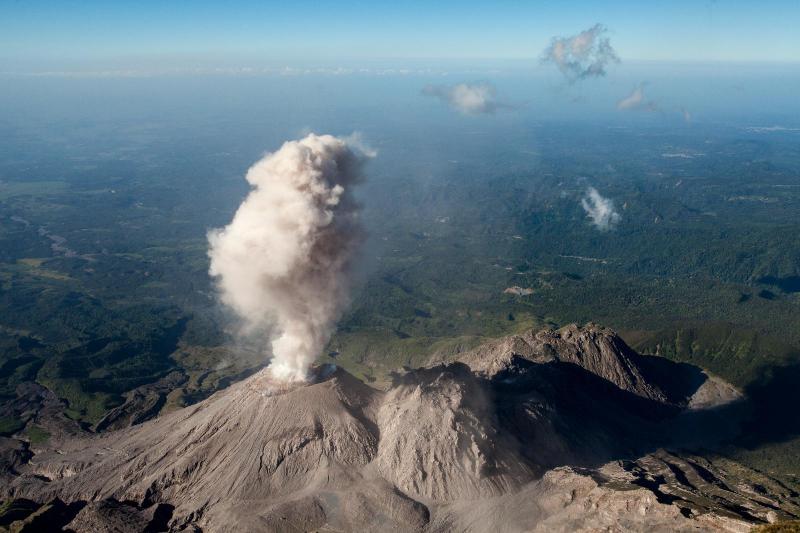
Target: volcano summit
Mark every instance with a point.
(557, 430)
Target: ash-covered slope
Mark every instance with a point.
(557, 430)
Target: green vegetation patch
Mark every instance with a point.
(10, 425)
(37, 435)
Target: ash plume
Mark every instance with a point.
(600, 210)
(283, 263)
(581, 56)
(470, 98)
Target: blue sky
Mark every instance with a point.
(65, 34)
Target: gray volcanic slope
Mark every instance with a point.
(548, 431)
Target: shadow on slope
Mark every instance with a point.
(565, 415)
(773, 400)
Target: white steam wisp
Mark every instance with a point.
(283, 263)
(600, 210)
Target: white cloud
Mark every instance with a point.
(600, 210)
(585, 55)
(636, 101)
(470, 98)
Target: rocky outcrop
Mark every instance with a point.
(109, 516)
(594, 348)
(661, 492)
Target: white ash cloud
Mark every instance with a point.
(470, 98)
(600, 210)
(581, 56)
(356, 142)
(283, 263)
(636, 101)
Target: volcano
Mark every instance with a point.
(555, 430)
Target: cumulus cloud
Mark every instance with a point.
(600, 210)
(470, 98)
(581, 56)
(283, 263)
(636, 101)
